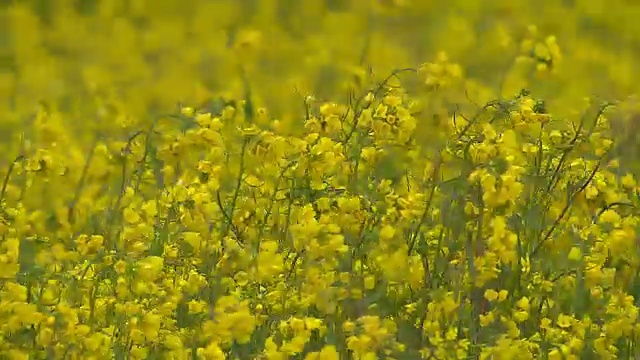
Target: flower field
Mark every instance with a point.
(319, 179)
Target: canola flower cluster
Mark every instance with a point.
(236, 179)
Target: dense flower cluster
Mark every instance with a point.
(237, 179)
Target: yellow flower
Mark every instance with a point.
(502, 295)
(211, 352)
(203, 119)
(520, 316)
(491, 295)
(45, 336)
(329, 352)
(187, 111)
(564, 321)
(628, 181)
(387, 232)
(151, 326)
(369, 282)
(486, 320)
(14, 292)
(523, 304)
(610, 216)
(575, 254)
(131, 215)
(349, 327)
(173, 342)
(150, 268)
(194, 239)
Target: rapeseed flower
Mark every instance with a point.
(266, 180)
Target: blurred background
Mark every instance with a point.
(113, 64)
